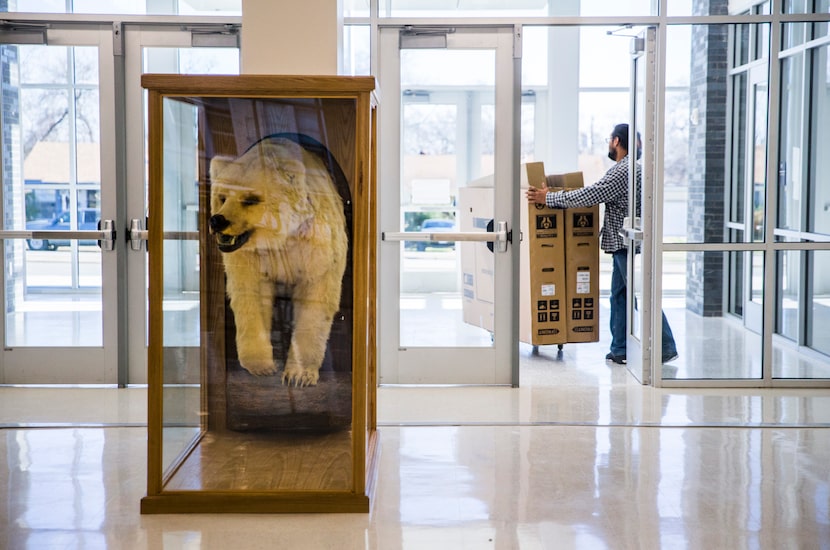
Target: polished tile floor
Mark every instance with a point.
(580, 456)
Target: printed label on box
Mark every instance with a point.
(583, 220)
(583, 288)
(546, 227)
(545, 222)
(583, 277)
(548, 290)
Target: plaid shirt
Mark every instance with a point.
(611, 189)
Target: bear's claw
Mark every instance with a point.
(300, 377)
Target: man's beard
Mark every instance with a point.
(612, 154)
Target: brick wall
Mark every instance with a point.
(707, 158)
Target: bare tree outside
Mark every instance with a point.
(49, 77)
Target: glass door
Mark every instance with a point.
(639, 222)
(447, 306)
(58, 178)
(153, 49)
(74, 178)
(755, 189)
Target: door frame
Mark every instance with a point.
(642, 339)
(136, 39)
(138, 36)
(753, 312)
(122, 359)
(444, 365)
(81, 365)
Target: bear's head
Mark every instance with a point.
(260, 198)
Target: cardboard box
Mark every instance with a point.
(581, 265)
(542, 314)
(559, 262)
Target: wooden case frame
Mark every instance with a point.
(358, 153)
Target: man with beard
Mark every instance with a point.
(611, 189)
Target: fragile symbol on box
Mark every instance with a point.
(545, 226)
(545, 221)
(583, 220)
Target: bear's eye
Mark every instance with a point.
(221, 199)
(250, 200)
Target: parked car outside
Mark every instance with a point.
(436, 225)
(87, 220)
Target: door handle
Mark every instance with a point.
(107, 241)
(105, 235)
(500, 237)
(630, 233)
(137, 234)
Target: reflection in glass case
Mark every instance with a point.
(262, 213)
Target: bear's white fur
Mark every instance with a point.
(278, 220)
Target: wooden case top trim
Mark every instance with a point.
(266, 85)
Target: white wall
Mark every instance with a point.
(302, 38)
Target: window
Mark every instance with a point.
(136, 7)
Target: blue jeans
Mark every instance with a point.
(618, 299)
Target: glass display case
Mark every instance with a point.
(262, 275)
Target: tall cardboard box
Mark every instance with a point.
(559, 262)
(581, 265)
(542, 319)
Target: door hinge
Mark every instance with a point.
(117, 39)
(517, 41)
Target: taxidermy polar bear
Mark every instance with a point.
(278, 220)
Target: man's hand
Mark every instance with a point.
(537, 195)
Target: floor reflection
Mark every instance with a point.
(580, 456)
(463, 486)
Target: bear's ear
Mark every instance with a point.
(219, 163)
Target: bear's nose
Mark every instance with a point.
(218, 222)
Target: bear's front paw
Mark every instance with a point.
(258, 367)
(295, 375)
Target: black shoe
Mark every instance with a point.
(670, 358)
(618, 359)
